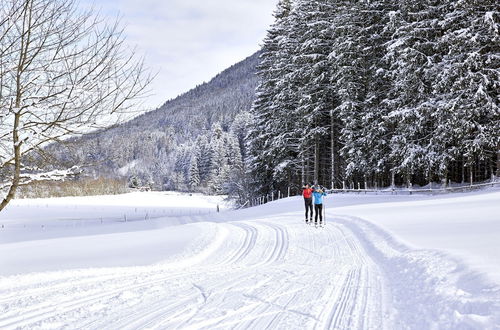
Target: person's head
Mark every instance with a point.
(307, 185)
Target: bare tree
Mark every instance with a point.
(63, 71)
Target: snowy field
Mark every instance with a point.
(165, 260)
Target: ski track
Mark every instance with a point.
(274, 273)
(264, 275)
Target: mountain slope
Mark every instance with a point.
(149, 146)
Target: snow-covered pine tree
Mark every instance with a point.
(366, 136)
(219, 168)
(414, 55)
(312, 28)
(467, 89)
(194, 174)
(204, 156)
(275, 59)
(349, 79)
(182, 162)
(233, 151)
(239, 129)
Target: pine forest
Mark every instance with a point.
(377, 94)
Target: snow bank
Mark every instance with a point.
(466, 226)
(102, 231)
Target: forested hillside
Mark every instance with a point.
(378, 93)
(193, 142)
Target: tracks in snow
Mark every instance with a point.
(265, 274)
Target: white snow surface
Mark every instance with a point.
(154, 260)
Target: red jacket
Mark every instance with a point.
(307, 192)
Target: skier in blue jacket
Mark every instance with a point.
(318, 194)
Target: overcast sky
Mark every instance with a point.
(189, 41)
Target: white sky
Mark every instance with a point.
(189, 41)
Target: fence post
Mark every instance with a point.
(343, 185)
(279, 194)
(288, 191)
(359, 185)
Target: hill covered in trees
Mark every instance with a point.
(193, 142)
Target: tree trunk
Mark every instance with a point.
(498, 163)
(471, 172)
(463, 170)
(17, 164)
(303, 169)
(316, 160)
(332, 146)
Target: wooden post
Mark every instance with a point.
(288, 191)
(343, 185)
(279, 194)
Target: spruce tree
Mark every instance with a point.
(468, 85)
(271, 71)
(194, 174)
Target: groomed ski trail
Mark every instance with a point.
(273, 273)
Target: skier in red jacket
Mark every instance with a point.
(307, 193)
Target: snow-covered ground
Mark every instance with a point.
(157, 260)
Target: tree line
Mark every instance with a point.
(377, 92)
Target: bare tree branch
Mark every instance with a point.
(63, 71)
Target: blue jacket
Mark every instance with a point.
(318, 197)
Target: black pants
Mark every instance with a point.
(309, 206)
(318, 209)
